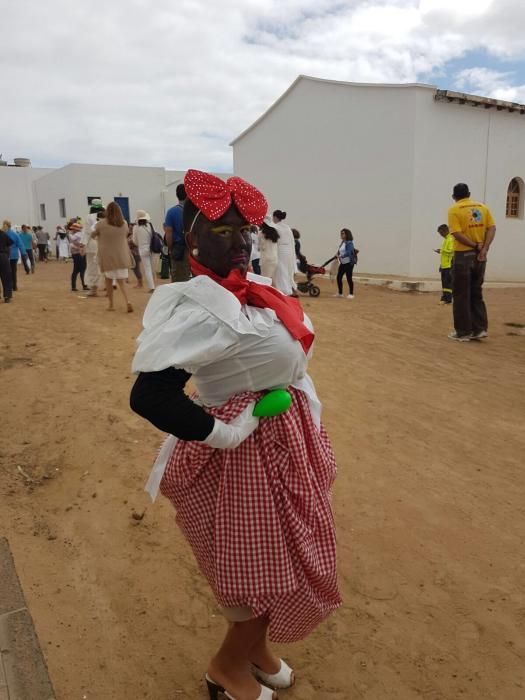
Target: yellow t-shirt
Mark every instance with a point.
(470, 218)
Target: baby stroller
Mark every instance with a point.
(308, 287)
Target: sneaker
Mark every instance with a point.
(479, 335)
(460, 338)
(338, 296)
(350, 296)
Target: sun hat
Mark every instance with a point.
(141, 214)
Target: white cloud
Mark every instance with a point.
(171, 84)
(490, 83)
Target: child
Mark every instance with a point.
(445, 267)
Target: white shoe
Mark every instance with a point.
(350, 296)
(338, 296)
(480, 335)
(460, 338)
(284, 678)
(214, 689)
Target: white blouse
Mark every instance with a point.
(228, 348)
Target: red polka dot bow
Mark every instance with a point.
(214, 197)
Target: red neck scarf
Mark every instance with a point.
(287, 309)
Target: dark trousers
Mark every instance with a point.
(42, 252)
(180, 269)
(14, 266)
(446, 284)
(31, 259)
(5, 276)
(256, 266)
(346, 269)
(136, 270)
(470, 312)
(79, 268)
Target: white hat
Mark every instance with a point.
(141, 214)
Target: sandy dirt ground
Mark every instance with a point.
(429, 502)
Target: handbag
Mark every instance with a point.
(156, 242)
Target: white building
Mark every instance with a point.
(382, 161)
(47, 197)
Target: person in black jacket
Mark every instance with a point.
(5, 267)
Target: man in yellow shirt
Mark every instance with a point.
(473, 228)
(446, 253)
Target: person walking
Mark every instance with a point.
(252, 494)
(142, 233)
(42, 242)
(255, 259)
(268, 250)
(5, 268)
(446, 253)
(26, 236)
(472, 225)
(78, 253)
(93, 276)
(62, 247)
(16, 251)
(136, 257)
(346, 256)
(114, 256)
(286, 266)
(175, 240)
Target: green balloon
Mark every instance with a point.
(273, 404)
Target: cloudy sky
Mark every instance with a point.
(172, 82)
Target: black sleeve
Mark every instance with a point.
(159, 397)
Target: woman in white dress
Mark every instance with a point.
(286, 267)
(268, 250)
(142, 239)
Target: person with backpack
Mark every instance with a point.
(174, 231)
(347, 256)
(142, 237)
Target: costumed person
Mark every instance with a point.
(255, 258)
(62, 244)
(252, 494)
(268, 247)
(142, 232)
(94, 278)
(286, 268)
(114, 256)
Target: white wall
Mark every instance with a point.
(506, 160)
(16, 194)
(74, 183)
(452, 145)
(338, 155)
(174, 178)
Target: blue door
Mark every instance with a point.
(123, 203)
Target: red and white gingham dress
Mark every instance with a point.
(258, 517)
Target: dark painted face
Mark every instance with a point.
(224, 244)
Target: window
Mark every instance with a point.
(514, 199)
(62, 208)
(42, 212)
